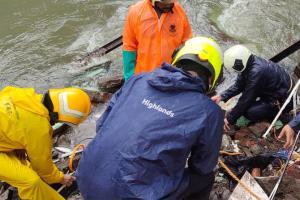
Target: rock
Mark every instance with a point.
(227, 143)
(242, 133)
(259, 128)
(226, 194)
(213, 196)
(247, 142)
(104, 97)
(219, 192)
(256, 149)
(294, 170)
(110, 84)
(289, 185)
(98, 97)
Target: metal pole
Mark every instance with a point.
(282, 108)
(273, 193)
(295, 104)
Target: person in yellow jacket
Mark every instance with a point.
(25, 126)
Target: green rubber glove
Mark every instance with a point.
(129, 61)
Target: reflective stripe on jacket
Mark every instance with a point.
(25, 125)
(153, 39)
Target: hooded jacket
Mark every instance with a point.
(151, 127)
(261, 78)
(24, 124)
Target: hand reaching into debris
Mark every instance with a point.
(226, 125)
(289, 134)
(68, 180)
(216, 98)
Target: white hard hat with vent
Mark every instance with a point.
(236, 58)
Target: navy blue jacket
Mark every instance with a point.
(261, 78)
(295, 123)
(152, 126)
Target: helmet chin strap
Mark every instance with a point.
(49, 105)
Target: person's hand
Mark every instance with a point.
(68, 180)
(226, 125)
(216, 98)
(289, 134)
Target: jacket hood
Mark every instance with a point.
(27, 99)
(169, 78)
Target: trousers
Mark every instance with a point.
(20, 175)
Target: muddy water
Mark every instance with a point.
(39, 40)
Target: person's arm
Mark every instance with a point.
(205, 152)
(248, 96)
(130, 44)
(233, 90)
(38, 146)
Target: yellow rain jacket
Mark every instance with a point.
(25, 125)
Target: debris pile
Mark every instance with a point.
(244, 150)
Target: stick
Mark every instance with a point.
(112, 45)
(282, 108)
(273, 193)
(286, 52)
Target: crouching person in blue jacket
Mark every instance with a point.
(153, 126)
(264, 86)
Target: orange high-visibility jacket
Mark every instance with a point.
(154, 39)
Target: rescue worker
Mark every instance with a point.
(152, 126)
(264, 86)
(289, 130)
(153, 30)
(26, 137)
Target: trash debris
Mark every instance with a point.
(264, 158)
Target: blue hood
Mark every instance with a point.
(169, 78)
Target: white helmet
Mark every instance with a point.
(236, 58)
(163, 1)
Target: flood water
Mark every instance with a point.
(40, 40)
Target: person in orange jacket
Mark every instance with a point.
(26, 137)
(153, 30)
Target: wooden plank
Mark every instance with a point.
(240, 193)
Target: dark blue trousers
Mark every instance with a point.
(264, 110)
